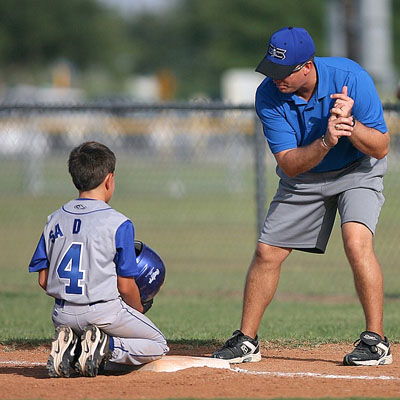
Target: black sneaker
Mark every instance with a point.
(95, 351)
(63, 350)
(239, 349)
(370, 349)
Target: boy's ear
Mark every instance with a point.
(107, 180)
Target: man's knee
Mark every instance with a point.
(358, 241)
(268, 255)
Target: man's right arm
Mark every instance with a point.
(281, 136)
(301, 159)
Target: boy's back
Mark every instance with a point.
(82, 239)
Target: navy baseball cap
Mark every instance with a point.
(288, 48)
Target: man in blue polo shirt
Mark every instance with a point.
(323, 121)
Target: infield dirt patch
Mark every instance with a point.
(283, 372)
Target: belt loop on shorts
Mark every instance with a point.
(60, 302)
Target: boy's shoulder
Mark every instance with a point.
(88, 207)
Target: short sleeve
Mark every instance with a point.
(125, 258)
(39, 259)
(367, 105)
(279, 133)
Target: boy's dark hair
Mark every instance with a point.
(89, 164)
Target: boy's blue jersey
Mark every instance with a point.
(86, 244)
(290, 122)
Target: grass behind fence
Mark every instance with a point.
(204, 228)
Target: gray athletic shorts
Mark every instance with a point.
(303, 211)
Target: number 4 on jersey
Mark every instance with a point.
(70, 269)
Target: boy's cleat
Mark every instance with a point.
(239, 349)
(95, 351)
(62, 355)
(369, 349)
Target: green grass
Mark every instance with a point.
(202, 223)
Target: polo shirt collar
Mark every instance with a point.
(323, 79)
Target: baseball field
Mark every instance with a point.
(206, 234)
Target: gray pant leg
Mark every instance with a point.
(136, 338)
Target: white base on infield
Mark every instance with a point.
(215, 363)
(176, 363)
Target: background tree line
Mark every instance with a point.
(195, 40)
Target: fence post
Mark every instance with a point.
(260, 173)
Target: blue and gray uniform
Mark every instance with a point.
(85, 245)
(344, 176)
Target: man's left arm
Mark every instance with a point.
(368, 140)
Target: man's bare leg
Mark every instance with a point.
(261, 283)
(368, 279)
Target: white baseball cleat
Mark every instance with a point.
(62, 353)
(95, 351)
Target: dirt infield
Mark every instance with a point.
(300, 372)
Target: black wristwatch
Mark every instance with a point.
(354, 121)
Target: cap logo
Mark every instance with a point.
(276, 52)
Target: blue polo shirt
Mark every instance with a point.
(290, 122)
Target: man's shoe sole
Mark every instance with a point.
(245, 359)
(382, 361)
(57, 366)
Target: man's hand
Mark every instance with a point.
(340, 122)
(343, 104)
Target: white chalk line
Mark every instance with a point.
(316, 375)
(265, 373)
(17, 363)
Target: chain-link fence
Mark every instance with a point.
(195, 180)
